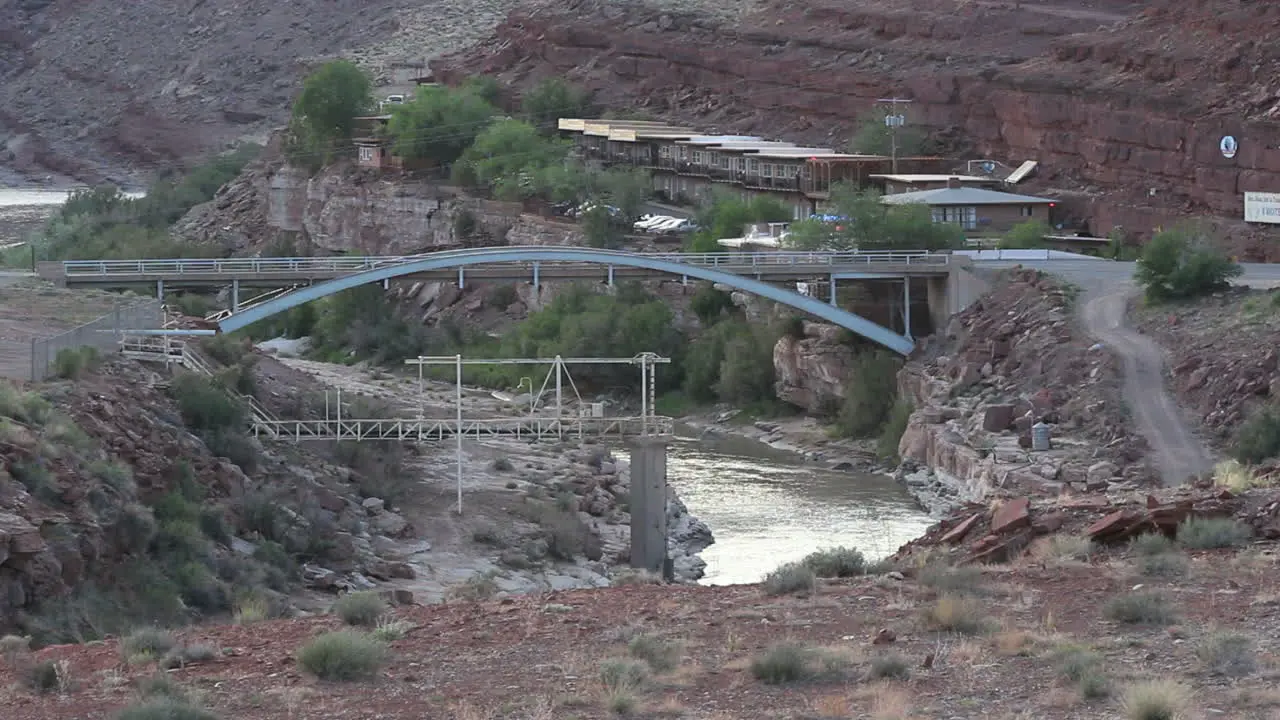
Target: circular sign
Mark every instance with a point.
(1228, 146)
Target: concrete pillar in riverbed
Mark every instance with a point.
(649, 504)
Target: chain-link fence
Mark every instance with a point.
(103, 334)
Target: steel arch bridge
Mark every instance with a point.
(483, 256)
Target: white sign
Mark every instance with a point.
(1228, 146)
(1260, 207)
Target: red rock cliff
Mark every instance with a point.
(1123, 104)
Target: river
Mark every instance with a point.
(767, 507)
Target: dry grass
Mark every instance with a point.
(958, 613)
(1156, 700)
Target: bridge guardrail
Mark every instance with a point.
(347, 264)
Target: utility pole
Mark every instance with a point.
(894, 120)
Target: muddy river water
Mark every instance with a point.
(766, 507)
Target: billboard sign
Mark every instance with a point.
(1260, 207)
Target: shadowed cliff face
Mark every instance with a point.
(1123, 104)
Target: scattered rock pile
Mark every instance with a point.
(1013, 359)
(1006, 529)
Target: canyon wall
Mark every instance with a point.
(1122, 106)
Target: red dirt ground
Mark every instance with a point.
(539, 657)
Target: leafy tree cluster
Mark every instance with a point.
(103, 222)
(324, 113)
(1182, 263)
(1029, 235)
(868, 224)
(873, 137)
(726, 216)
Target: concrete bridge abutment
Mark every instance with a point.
(649, 505)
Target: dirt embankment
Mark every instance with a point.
(1114, 99)
(1223, 356)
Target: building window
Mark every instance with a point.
(699, 157)
(664, 151)
(1028, 210)
(766, 170)
(753, 167)
(724, 162)
(366, 154)
(965, 217)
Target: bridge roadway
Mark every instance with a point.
(274, 272)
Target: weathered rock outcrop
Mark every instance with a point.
(1015, 358)
(811, 370)
(1119, 115)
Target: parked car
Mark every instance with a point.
(647, 221)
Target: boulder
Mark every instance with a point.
(1012, 515)
(957, 533)
(1101, 472)
(997, 418)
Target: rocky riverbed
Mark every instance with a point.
(496, 543)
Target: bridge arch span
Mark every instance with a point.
(485, 256)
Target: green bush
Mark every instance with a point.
(1182, 263)
(344, 656)
(661, 655)
(870, 393)
(1144, 607)
(1228, 654)
(73, 363)
(788, 579)
(893, 429)
(43, 677)
(836, 562)
(360, 608)
(1028, 235)
(783, 664)
(889, 667)
(152, 642)
(1167, 564)
(1258, 438)
(1212, 533)
(1148, 544)
(548, 101)
(204, 405)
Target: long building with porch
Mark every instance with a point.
(687, 166)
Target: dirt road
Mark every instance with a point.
(1178, 452)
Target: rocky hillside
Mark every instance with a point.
(1223, 352)
(1114, 99)
(103, 90)
(1016, 357)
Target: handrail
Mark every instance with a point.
(406, 429)
(348, 264)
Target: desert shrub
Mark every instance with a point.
(1144, 607)
(661, 655)
(43, 677)
(501, 464)
(204, 405)
(958, 613)
(622, 674)
(710, 304)
(1227, 653)
(563, 530)
(889, 667)
(73, 363)
(1074, 662)
(480, 586)
(788, 579)
(1169, 564)
(1155, 700)
(184, 655)
(147, 642)
(835, 562)
(1077, 548)
(1258, 438)
(342, 656)
(1151, 544)
(391, 630)
(1211, 533)
(783, 664)
(160, 685)
(870, 393)
(1182, 263)
(224, 349)
(360, 608)
(892, 430)
(164, 708)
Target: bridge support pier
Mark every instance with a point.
(649, 505)
(235, 295)
(160, 290)
(906, 307)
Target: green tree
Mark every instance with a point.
(870, 390)
(509, 157)
(485, 87)
(332, 97)
(548, 101)
(728, 214)
(868, 224)
(439, 123)
(1026, 236)
(599, 229)
(625, 189)
(873, 137)
(1182, 263)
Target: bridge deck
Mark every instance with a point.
(275, 271)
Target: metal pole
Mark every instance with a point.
(458, 431)
(422, 391)
(644, 395)
(559, 399)
(906, 307)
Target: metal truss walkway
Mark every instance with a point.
(265, 424)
